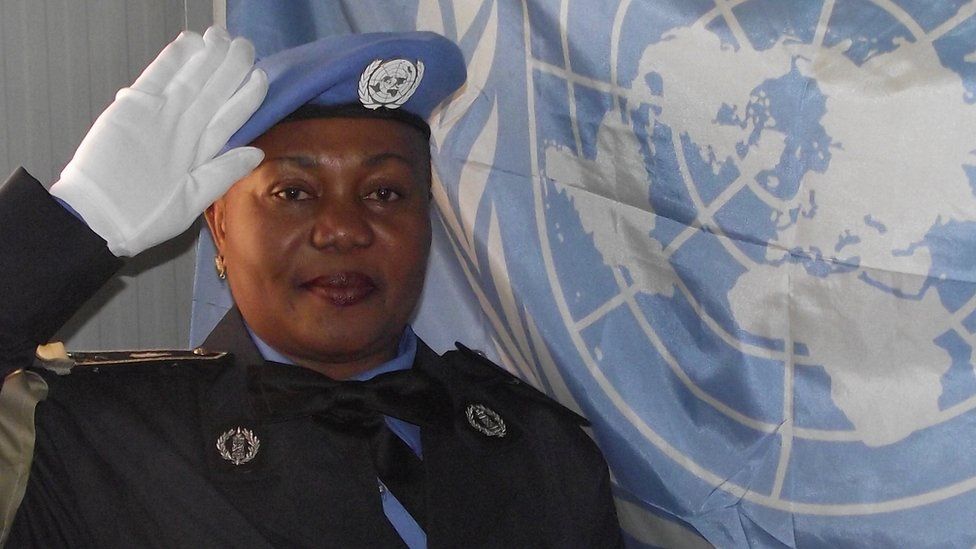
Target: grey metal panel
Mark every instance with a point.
(69, 91)
(16, 49)
(61, 62)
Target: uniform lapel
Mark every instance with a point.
(465, 469)
(227, 406)
(301, 486)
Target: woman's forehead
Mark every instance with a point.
(370, 140)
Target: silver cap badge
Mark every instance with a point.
(485, 420)
(238, 446)
(389, 83)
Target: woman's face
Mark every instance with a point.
(326, 242)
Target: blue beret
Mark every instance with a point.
(409, 72)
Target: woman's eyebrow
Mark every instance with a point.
(304, 161)
(300, 161)
(377, 159)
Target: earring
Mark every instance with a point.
(221, 268)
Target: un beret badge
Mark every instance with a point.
(389, 83)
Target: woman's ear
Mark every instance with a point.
(215, 221)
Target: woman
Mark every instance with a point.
(323, 238)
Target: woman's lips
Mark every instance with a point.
(342, 289)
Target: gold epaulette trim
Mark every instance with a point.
(99, 358)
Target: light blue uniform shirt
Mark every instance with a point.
(405, 525)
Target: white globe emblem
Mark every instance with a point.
(389, 83)
(802, 251)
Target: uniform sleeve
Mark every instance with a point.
(48, 515)
(588, 516)
(50, 264)
(605, 530)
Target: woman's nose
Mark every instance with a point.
(341, 226)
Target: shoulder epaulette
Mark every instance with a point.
(52, 357)
(104, 358)
(483, 369)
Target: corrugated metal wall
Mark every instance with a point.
(61, 62)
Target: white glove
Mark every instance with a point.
(146, 169)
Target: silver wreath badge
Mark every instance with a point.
(244, 445)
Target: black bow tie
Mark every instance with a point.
(282, 392)
(285, 392)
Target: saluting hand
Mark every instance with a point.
(147, 167)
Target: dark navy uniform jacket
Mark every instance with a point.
(126, 446)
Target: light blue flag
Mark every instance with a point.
(738, 235)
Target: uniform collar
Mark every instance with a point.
(461, 464)
(270, 488)
(227, 404)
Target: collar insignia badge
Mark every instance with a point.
(238, 446)
(485, 420)
(389, 83)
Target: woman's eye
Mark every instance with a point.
(293, 194)
(384, 194)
